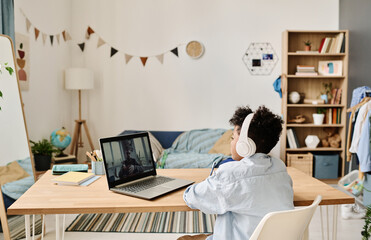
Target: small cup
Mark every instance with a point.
(97, 167)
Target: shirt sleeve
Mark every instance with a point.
(206, 196)
(363, 152)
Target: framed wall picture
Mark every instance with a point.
(330, 68)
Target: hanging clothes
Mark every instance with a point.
(358, 94)
(361, 118)
(363, 151)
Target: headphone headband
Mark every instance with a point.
(245, 146)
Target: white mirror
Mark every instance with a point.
(14, 144)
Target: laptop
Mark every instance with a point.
(131, 169)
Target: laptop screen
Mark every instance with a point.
(127, 158)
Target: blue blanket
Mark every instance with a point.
(191, 149)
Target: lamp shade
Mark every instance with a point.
(79, 79)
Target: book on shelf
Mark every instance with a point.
(334, 116)
(306, 52)
(306, 74)
(296, 138)
(321, 45)
(73, 178)
(336, 95)
(291, 138)
(332, 44)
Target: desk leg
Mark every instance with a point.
(335, 222)
(27, 226)
(43, 227)
(323, 234)
(57, 228)
(33, 227)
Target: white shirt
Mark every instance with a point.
(358, 126)
(241, 193)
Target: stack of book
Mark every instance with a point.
(292, 138)
(336, 95)
(305, 70)
(75, 179)
(333, 116)
(332, 44)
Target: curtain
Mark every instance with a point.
(7, 18)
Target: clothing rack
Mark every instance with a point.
(353, 110)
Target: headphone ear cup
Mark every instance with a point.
(246, 148)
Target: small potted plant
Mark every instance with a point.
(319, 116)
(308, 45)
(42, 151)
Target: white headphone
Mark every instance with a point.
(245, 146)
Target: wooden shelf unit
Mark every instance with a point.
(311, 86)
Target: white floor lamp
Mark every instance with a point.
(79, 79)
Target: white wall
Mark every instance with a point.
(46, 103)
(181, 93)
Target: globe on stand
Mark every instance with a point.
(60, 138)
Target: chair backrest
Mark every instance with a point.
(288, 225)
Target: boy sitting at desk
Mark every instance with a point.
(241, 192)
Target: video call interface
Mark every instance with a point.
(127, 158)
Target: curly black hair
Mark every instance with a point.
(265, 127)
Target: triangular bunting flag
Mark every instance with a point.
(113, 51)
(44, 38)
(28, 24)
(175, 51)
(82, 46)
(127, 58)
(51, 39)
(36, 33)
(68, 36)
(89, 31)
(100, 42)
(160, 58)
(57, 36)
(144, 60)
(64, 35)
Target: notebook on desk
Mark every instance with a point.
(131, 169)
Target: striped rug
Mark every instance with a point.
(17, 229)
(152, 222)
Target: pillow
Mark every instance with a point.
(12, 172)
(198, 140)
(223, 144)
(156, 146)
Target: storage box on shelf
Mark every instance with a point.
(310, 87)
(326, 166)
(302, 162)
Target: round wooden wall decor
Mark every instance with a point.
(195, 49)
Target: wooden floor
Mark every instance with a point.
(347, 229)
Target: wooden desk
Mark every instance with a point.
(44, 197)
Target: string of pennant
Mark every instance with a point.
(113, 51)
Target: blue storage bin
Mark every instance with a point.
(326, 166)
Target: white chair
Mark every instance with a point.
(286, 225)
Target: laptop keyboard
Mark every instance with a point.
(145, 184)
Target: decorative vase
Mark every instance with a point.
(324, 97)
(312, 141)
(318, 118)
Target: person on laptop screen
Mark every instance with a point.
(130, 165)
